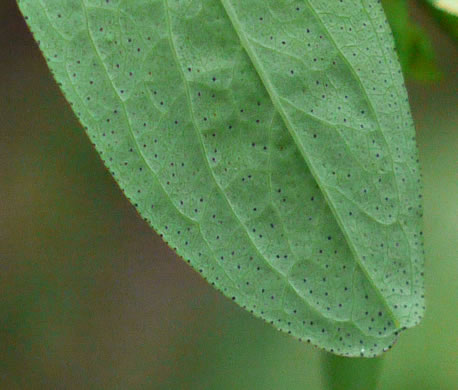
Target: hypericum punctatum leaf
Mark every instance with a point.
(268, 141)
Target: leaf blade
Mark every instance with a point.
(167, 131)
(290, 126)
(332, 20)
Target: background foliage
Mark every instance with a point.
(91, 298)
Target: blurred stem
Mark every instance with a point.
(341, 373)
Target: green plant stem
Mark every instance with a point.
(341, 373)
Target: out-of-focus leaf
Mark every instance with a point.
(446, 14)
(414, 47)
(448, 6)
(269, 142)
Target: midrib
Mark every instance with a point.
(279, 107)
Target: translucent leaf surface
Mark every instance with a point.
(270, 142)
(450, 6)
(446, 13)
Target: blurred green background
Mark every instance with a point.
(91, 298)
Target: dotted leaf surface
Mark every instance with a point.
(268, 141)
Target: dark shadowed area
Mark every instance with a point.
(91, 298)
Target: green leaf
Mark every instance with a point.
(269, 142)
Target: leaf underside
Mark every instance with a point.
(269, 142)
